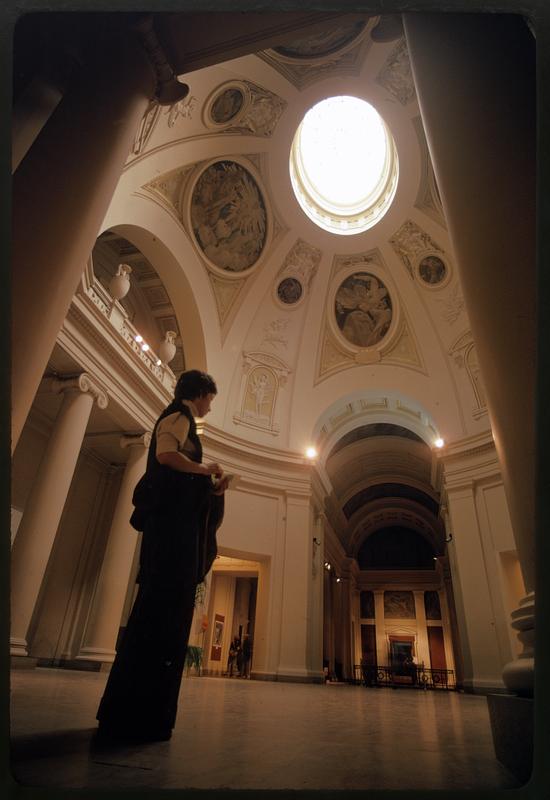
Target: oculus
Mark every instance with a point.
(343, 165)
(363, 309)
(228, 216)
(289, 291)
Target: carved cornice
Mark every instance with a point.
(141, 439)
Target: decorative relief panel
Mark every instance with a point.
(464, 354)
(182, 109)
(263, 377)
(294, 279)
(452, 306)
(396, 76)
(411, 244)
(242, 107)
(336, 52)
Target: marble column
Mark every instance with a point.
(296, 611)
(61, 193)
(422, 646)
(108, 602)
(476, 85)
(379, 620)
(36, 534)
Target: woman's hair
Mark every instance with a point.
(194, 383)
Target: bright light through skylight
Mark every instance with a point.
(343, 148)
(343, 165)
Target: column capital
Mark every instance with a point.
(81, 383)
(133, 440)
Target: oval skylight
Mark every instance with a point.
(343, 165)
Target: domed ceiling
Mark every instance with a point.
(311, 335)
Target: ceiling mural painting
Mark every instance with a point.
(295, 277)
(228, 216)
(362, 323)
(322, 44)
(304, 63)
(243, 107)
(363, 309)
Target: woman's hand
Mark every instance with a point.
(221, 486)
(213, 468)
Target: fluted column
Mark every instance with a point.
(476, 85)
(103, 623)
(61, 193)
(36, 534)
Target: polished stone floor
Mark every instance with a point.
(246, 734)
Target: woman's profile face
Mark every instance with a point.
(202, 404)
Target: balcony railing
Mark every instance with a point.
(415, 677)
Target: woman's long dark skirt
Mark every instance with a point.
(141, 694)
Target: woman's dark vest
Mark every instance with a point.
(163, 487)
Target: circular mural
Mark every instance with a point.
(363, 309)
(227, 105)
(289, 291)
(432, 270)
(228, 216)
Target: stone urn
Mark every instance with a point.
(167, 348)
(120, 283)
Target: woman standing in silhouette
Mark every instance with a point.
(178, 508)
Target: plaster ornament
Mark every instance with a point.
(452, 306)
(409, 241)
(246, 108)
(302, 260)
(464, 354)
(183, 108)
(146, 127)
(396, 76)
(274, 333)
(167, 348)
(263, 376)
(228, 216)
(119, 285)
(404, 350)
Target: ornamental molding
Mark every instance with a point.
(464, 355)
(428, 199)
(249, 109)
(410, 242)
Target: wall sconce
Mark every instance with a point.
(316, 541)
(449, 538)
(338, 580)
(327, 565)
